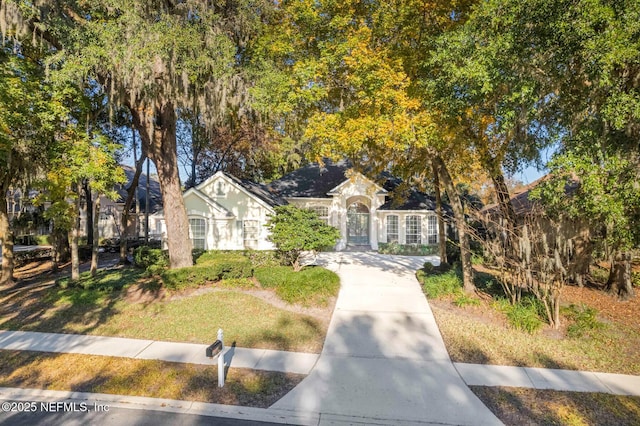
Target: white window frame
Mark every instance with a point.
(250, 233)
(413, 229)
(432, 230)
(322, 212)
(192, 233)
(393, 236)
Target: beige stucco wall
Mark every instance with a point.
(224, 222)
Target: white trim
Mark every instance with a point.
(380, 191)
(235, 185)
(207, 200)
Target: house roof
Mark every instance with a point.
(260, 191)
(311, 181)
(155, 196)
(521, 202)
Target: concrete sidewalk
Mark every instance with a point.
(384, 358)
(257, 359)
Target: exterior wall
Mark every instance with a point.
(354, 189)
(402, 224)
(224, 224)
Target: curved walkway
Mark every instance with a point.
(384, 359)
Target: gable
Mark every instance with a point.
(357, 184)
(197, 202)
(232, 195)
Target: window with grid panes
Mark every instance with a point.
(432, 230)
(197, 229)
(413, 230)
(392, 229)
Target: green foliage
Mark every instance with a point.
(312, 286)
(440, 284)
(584, 320)
(105, 281)
(407, 249)
(524, 315)
(463, 299)
(294, 230)
(210, 267)
(146, 257)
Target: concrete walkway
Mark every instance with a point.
(257, 359)
(384, 360)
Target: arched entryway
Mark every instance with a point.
(357, 224)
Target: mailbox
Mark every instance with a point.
(214, 349)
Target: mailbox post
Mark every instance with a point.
(216, 349)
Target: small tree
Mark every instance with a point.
(294, 230)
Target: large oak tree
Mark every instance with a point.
(152, 57)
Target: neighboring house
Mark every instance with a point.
(110, 224)
(227, 213)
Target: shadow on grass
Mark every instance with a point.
(281, 338)
(71, 310)
(543, 407)
(158, 379)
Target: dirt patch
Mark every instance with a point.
(609, 307)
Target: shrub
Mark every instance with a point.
(312, 286)
(211, 266)
(584, 320)
(407, 249)
(441, 284)
(294, 230)
(106, 281)
(146, 257)
(523, 315)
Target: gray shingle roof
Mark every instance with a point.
(311, 180)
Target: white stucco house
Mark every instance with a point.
(229, 214)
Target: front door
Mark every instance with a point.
(358, 224)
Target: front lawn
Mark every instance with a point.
(126, 303)
(482, 329)
(156, 379)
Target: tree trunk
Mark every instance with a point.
(131, 191)
(157, 128)
(73, 238)
(442, 241)
(96, 235)
(458, 211)
(6, 237)
(89, 210)
(619, 282)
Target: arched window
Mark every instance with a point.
(197, 232)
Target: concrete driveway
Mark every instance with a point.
(384, 359)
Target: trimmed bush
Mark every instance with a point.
(312, 286)
(407, 249)
(146, 257)
(210, 267)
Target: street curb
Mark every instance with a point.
(161, 404)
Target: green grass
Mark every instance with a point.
(524, 315)
(313, 286)
(439, 284)
(100, 306)
(106, 280)
(150, 378)
(584, 322)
